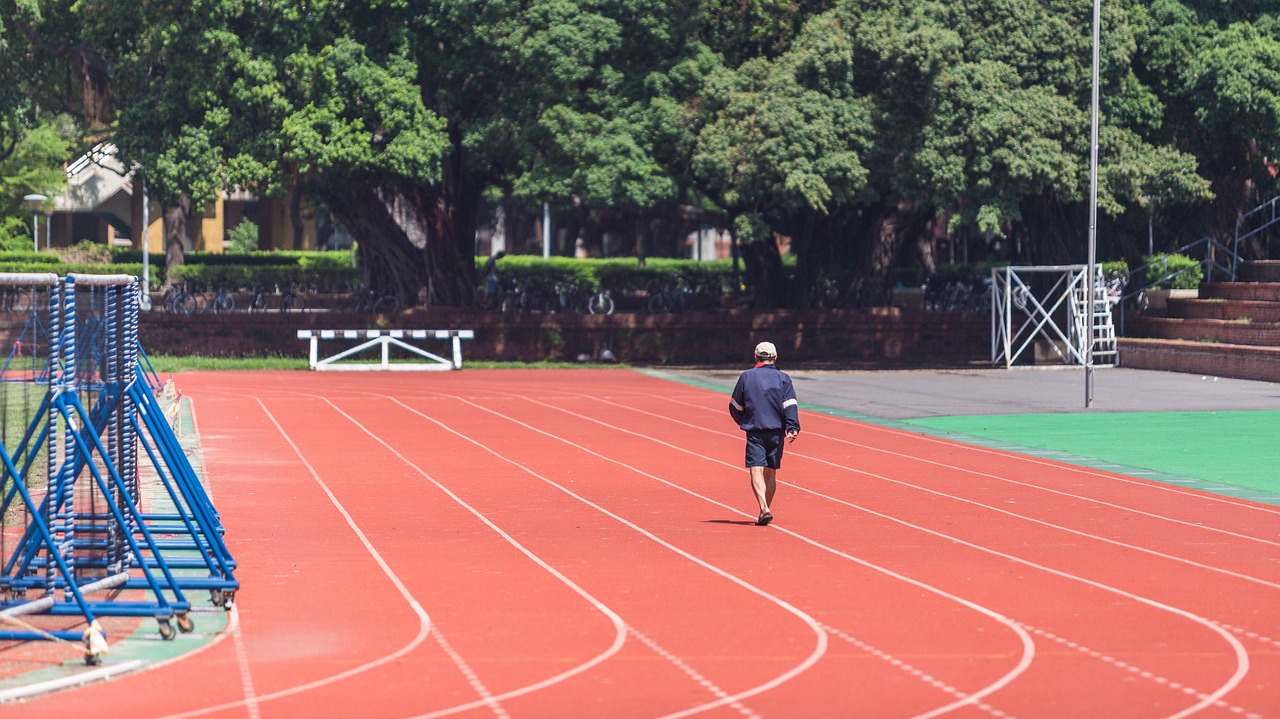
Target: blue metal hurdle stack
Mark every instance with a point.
(91, 526)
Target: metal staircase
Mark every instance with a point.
(1099, 319)
(1251, 224)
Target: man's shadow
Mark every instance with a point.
(731, 521)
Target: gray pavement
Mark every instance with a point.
(914, 394)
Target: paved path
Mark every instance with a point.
(912, 394)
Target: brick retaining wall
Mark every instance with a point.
(876, 335)
(1215, 360)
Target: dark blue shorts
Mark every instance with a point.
(764, 447)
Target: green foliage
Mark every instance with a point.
(243, 237)
(15, 234)
(1173, 272)
(35, 165)
(617, 275)
(85, 252)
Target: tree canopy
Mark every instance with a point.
(860, 130)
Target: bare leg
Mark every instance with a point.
(761, 486)
(770, 486)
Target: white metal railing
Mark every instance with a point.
(383, 341)
(1038, 315)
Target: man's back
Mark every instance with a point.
(764, 398)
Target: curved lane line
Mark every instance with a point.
(1028, 645)
(1242, 656)
(1158, 486)
(620, 627)
(999, 510)
(424, 621)
(821, 642)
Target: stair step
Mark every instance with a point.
(1257, 291)
(1197, 330)
(1204, 358)
(1221, 309)
(1260, 271)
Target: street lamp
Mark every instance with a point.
(35, 203)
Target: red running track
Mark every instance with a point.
(580, 543)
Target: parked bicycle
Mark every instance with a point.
(182, 298)
(223, 301)
(958, 295)
(290, 300)
(259, 301)
(530, 296)
(600, 303)
(670, 296)
(369, 300)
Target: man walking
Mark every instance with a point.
(764, 405)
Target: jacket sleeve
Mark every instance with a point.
(790, 407)
(736, 407)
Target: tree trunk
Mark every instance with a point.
(390, 260)
(890, 230)
(765, 272)
(176, 219)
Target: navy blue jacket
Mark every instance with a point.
(764, 399)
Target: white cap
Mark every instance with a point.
(766, 349)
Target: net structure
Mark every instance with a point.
(101, 512)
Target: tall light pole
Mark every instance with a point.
(35, 203)
(1093, 210)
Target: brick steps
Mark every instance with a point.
(1215, 360)
(1261, 271)
(1232, 332)
(1232, 329)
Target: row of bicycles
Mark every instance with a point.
(551, 298)
(672, 295)
(184, 299)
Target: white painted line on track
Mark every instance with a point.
(997, 509)
(1241, 655)
(1028, 646)
(820, 647)
(424, 621)
(1074, 468)
(620, 628)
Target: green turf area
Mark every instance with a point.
(1230, 448)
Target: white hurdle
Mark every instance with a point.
(384, 340)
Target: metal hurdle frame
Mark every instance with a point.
(127, 413)
(384, 340)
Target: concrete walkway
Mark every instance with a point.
(912, 394)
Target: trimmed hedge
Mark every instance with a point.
(618, 275)
(1173, 272)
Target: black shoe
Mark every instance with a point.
(764, 519)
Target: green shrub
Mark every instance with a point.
(617, 275)
(243, 237)
(1173, 272)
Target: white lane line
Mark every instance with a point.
(1073, 468)
(1028, 646)
(1242, 656)
(916, 672)
(424, 621)
(619, 626)
(246, 676)
(1133, 669)
(988, 475)
(472, 678)
(820, 644)
(692, 673)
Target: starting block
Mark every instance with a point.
(384, 340)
